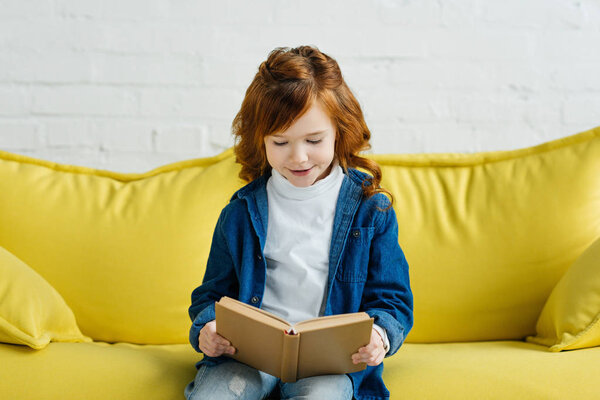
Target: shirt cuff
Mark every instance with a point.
(383, 334)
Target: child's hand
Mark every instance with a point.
(373, 353)
(211, 343)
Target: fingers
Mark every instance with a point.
(371, 358)
(215, 346)
(373, 353)
(211, 343)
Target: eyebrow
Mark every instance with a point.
(308, 134)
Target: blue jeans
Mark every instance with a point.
(234, 380)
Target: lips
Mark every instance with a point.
(300, 172)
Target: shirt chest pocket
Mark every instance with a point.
(355, 261)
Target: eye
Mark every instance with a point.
(314, 141)
(279, 143)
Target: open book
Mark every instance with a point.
(319, 346)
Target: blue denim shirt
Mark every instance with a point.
(367, 268)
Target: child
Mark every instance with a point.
(309, 236)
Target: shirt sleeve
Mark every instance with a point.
(219, 280)
(387, 296)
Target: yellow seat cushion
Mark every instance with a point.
(124, 250)
(571, 317)
(97, 371)
(483, 370)
(488, 235)
(32, 312)
(497, 370)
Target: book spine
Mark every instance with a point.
(289, 357)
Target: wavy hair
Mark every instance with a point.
(284, 88)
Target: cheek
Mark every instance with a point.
(328, 152)
(273, 155)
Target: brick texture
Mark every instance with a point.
(130, 85)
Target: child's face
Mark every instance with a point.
(303, 153)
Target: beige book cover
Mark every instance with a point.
(319, 346)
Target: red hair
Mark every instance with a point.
(284, 88)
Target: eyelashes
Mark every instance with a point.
(309, 141)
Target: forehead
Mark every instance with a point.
(313, 122)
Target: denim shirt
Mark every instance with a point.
(367, 268)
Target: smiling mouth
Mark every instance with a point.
(300, 172)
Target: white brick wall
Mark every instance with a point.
(129, 85)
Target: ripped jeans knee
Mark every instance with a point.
(230, 380)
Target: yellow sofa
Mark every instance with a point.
(97, 268)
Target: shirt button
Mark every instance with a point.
(356, 234)
(259, 257)
(254, 299)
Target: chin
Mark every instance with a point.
(300, 182)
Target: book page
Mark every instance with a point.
(330, 321)
(256, 313)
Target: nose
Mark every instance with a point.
(299, 155)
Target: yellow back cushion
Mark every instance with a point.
(124, 250)
(488, 235)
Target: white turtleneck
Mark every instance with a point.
(299, 229)
(297, 246)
